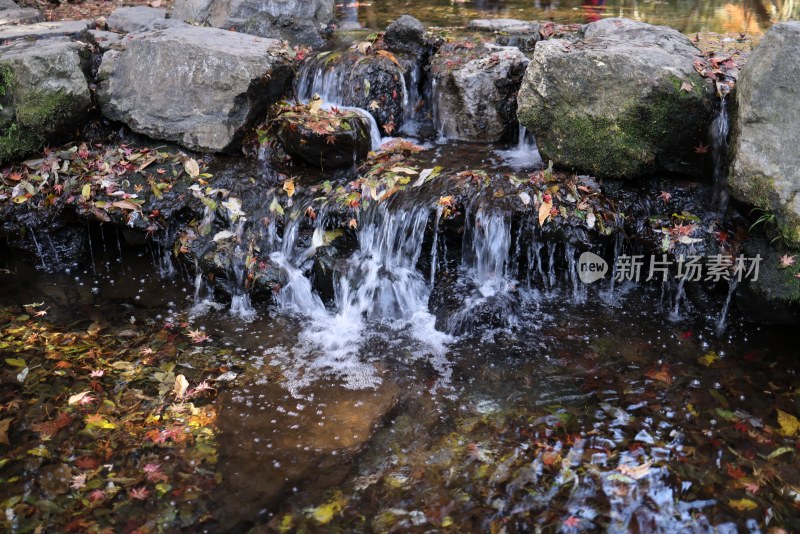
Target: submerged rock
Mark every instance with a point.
(328, 139)
(300, 22)
(764, 171)
(199, 87)
(621, 100)
(43, 94)
(475, 90)
(132, 19)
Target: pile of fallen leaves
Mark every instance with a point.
(102, 430)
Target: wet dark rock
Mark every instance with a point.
(621, 100)
(328, 140)
(475, 90)
(199, 87)
(301, 22)
(774, 298)
(407, 35)
(132, 19)
(764, 171)
(44, 94)
(372, 81)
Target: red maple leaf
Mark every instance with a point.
(572, 522)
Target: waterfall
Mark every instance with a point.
(330, 84)
(718, 133)
(240, 298)
(379, 286)
(38, 247)
(723, 316)
(525, 155)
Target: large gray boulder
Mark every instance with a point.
(297, 21)
(43, 94)
(12, 14)
(765, 163)
(475, 90)
(406, 34)
(42, 30)
(621, 100)
(199, 87)
(132, 19)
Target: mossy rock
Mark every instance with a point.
(43, 94)
(765, 163)
(622, 101)
(774, 297)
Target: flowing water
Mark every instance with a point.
(751, 16)
(436, 370)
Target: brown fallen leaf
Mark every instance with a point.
(545, 208)
(661, 375)
(686, 86)
(50, 428)
(4, 424)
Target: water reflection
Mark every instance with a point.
(748, 16)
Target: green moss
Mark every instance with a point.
(775, 283)
(34, 114)
(657, 133)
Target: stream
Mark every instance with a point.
(425, 368)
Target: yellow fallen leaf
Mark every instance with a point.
(404, 170)
(789, 423)
(288, 186)
(324, 513)
(742, 504)
(191, 167)
(125, 205)
(708, 358)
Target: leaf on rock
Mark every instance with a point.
(288, 186)
(544, 211)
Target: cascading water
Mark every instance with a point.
(718, 133)
(525, 155)
(329, 82)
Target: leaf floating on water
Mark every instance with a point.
(742, 505)
(661, 375)
(191, 167)
(707, 359)
(78, 397)
(636, 472)
(789, 423)
(180, 387)
(288, 186)
(324, 513)
(4, 425)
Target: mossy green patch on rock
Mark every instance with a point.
(43, 93)
(623, 102)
